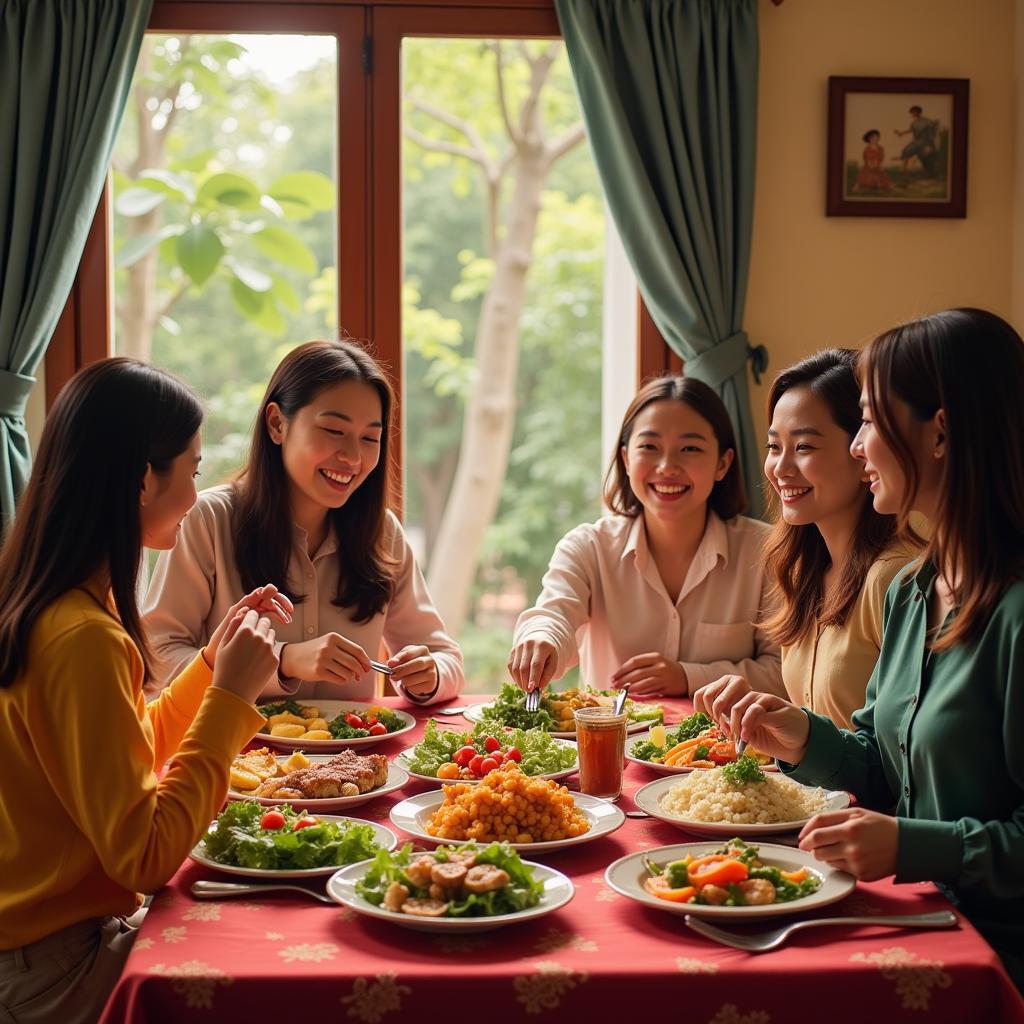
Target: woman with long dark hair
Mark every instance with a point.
(86, 823)
(662, 595)
(310, 511)
(830, 556)
(942, 435)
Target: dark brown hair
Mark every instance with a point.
(262, 519)
(728, 497)
(796, 557)
(79, 515)
(970, 364)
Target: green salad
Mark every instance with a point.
(247, 835)
(474, 881)
(688, 729)
(509, 709)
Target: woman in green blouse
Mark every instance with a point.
(936, 758)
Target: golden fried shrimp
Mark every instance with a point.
(419, 871)
(485, 877)
(425, 908)
(757, 891)
(449, 876)
(395, 895)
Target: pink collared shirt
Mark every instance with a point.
(604, 602)
(196, 582)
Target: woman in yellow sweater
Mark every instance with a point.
(85, 824)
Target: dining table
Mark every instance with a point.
(603, 956)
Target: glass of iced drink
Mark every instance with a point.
(601, 742)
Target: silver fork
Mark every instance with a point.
(761, 942)
(206, 890)
(533, 701)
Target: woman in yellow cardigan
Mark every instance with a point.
(85, 824)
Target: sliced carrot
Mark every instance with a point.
(794, 876)
(717, 869)
(658, 886)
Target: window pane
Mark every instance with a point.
(504, 239)
(224, 226)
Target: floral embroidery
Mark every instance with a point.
(371, 1000)
(309, 953)
(195, 980)
(174, 935)
(606, 895)
(345, 914)
(554, 939)
(141, 944)
(914, 978)
(688, 965)
(544, 990)
(275, 936)
(729, 1014)
(203, 912)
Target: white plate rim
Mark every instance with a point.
(835, 884)
(473, 715)
(397, 778)
(647, 798)
(383, 835)
(542, 873)
(402, 759)
(408, 809)
(333, 746)
(671, 769)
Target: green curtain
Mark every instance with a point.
(65, 70)
(669, 96)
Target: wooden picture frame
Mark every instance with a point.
(897, 147)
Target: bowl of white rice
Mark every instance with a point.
(708, 803)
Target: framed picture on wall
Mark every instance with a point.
(897, 147)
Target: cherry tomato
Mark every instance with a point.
(491, 744)
(305, 822)
(488, 764)
(464, 755)
(513, 754)
(474, 765)
(370, 720)
(354, 720)
(723, 753)
(378, 729)
(272, 820)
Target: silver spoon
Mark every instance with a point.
(448, 711)
(761, 942)
(207, 890)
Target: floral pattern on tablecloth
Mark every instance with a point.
(544, 989)
(174, 935)
(203, 912)
(309, 953)
(372, 1000)
(555, 939)
(913, 976)
(195, 980)
(690, 965)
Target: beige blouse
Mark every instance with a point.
(827, 671)
(196, 582)
(603, 601)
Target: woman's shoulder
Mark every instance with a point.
(746, 528)
(216, 501)
(611, 532)
(745, 538)
(890, 564)
(77, 623)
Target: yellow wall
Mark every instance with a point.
(817, 280)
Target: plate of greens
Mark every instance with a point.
(735, 881)
(458, 755)
(320, 726)
(694, 744)
(465, 888)
(280, 842)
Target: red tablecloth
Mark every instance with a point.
(283, 959)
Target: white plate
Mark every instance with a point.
(476, 713)
(671, 769)
(330, 709)
(648, 798)
(412, 815)
(405, 757)
(397, 778)
(382, 836)
(558, 890)
(627, 874)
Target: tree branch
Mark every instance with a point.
(506, 116)
(172, 301)
(540, 67)
(457, 123)
(572, 137)
(452, 148)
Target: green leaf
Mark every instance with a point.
(303, 193)
(284, 247)
(230, 189)
(135, 202)
(136, 246)
(251, 277)
(196, 162)
(257, 307)
(158, 180)
(199, 251)
(285, 294)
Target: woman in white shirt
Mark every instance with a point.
(310, 512)
(662, 595)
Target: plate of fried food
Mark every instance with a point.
(530, 814)
(330, 724)
(316, 782)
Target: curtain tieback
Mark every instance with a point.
(14, 392)
(722, 362)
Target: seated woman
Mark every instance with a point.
(662, 595)
(85, 820)
(831, 556)
(943, 435)
(310, 511)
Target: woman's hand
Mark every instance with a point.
(414, 670)
(330, 657)
(532, 663)
(246, 659)
(768, 723)
(266, 600)
(645, 675)
(863, 843)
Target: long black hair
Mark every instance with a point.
(79, 515)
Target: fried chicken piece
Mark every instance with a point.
(347, 774)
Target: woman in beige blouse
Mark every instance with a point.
(309, 511)
(830, 556)
(662, 595)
